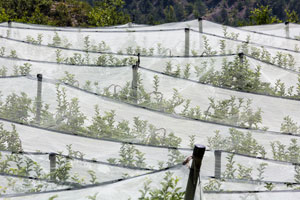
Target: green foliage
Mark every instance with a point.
(233, 111)
(3, 16)
(230, 170)
(93, 197)
(261, 170)
(213, 185)
(69, 79)
(63, 169)
(291, 16)
(289, 153)
(238, 142)
(9, 140)
(31, 40)
(297, 174)
(174, 157)
(68, 116)
(269, 186)
(53, 197)
(289, 126)
(108, 12)
(22, 69)
(263, 15)
(168, 190)
(3, 71)
(74, 154)
(129, 156)
(16, 107)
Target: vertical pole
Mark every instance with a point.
(9, 23)
(200, 21)
(129, 24)
(135, 80)
(218, 155)
(39, 98)
(198, 154)
(187, 42)
(287, 29)
(52, 158)
(241, 56)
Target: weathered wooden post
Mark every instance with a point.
(218, 155)
(39, 98)
(200, 21)
(187, 42)
(198, 154)
(52, 158)
(134, 84)
(287, 29)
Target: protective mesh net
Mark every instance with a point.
(106, 116)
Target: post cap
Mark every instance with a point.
(241, 54)
(51, 155)
(199, 151)
(286, 23)
(186, 29)
(39, 77)
(200, 18)
(134, 66)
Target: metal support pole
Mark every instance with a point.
(218, 155)
(198, 154)
(134, 84)
(241, 56)
(52, 158)
(187, 42)
(39, 98)
(129, 24)
(287, 29)
(200, 21)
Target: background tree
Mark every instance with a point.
(263, 15)
(108, 12)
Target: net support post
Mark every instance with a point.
(218, 155)
(130, 25)
(9, 23)
(39, 98)
(198, 154)
(52, 158)
(134, 84)
(241, 57)
(187, 42)
(200, 21)
(287, 29)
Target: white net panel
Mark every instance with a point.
(103, 128)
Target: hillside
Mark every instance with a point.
(111, 12)
(233, 12)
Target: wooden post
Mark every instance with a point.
(187, 42)
(52, 158)
(287, 29)
(200, 21)
(39, 98)
(134, 83)
(218, 155)
(198, 154)
(241, 56)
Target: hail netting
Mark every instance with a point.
(109, 140)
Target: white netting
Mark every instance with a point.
(111, 128)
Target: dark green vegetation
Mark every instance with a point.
(111, 12)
